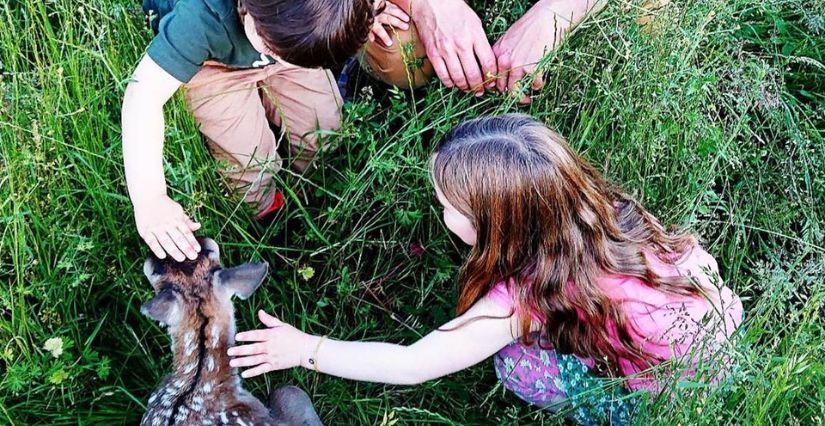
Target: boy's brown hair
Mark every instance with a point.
(312, 33)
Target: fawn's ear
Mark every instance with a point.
(242, 280)
(210, 248)
(163, 307)
(150, 269)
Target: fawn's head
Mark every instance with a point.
(188, 291)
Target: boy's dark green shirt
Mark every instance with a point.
(190, 32)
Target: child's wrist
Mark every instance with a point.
(308, 344)
(309, 351)
(142, 200)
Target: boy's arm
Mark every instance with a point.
(474, 336)
(161, 222)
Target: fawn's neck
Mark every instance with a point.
(200, 358)
(201, 379)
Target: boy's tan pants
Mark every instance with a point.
(234, 108)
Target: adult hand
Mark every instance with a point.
(525, 43)
(390, 16)
(455, 43)
(165, 227)
(278, 346)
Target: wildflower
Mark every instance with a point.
(55, 346)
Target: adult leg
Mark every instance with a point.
(404, 64)
(227, 106)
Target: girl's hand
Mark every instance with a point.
(391, 16)
(277, 347)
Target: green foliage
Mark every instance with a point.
(712, 115)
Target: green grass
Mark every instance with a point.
(713, 116)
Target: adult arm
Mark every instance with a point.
(455, 43)
(472, 337)
(538, 31)
(161, 222)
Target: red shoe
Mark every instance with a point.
(277, 204)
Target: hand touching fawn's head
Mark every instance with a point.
(190, 290)
(308, 33)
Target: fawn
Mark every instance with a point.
(193, 299)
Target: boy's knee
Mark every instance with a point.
(404, 64)
(330, 117)
(312, 136)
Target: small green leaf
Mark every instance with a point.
(58, 377)
(307, 272)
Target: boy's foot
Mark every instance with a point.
(277, 205)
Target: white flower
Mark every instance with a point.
(55, 346)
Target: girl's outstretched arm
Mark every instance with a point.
(477, 334)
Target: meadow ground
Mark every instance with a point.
(711, 113)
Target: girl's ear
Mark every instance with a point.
(163, 307)
(242, 280)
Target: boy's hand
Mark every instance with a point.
(391, 16)
(165, 227)
(278, 347)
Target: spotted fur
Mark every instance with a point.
(202, 388)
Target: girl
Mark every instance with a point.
(569, 282)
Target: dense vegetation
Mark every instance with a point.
(710, 112)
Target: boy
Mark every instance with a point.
(240, 63)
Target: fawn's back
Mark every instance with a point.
(194, 300)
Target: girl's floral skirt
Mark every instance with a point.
(562, 382)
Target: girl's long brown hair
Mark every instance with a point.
(549, 221)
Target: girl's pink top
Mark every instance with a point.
(668, 326)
